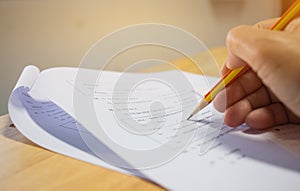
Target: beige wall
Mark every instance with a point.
(51, 33)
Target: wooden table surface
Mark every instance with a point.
(26, 166)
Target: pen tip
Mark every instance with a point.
(189, 117)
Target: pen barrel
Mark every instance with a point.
(230, 76)
(287, 16)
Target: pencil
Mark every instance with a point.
(233, 74)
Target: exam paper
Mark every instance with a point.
(213, 157)
(49, 126)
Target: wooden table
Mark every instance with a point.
(26, 166)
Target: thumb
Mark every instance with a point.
(247, 44)
(263, 50)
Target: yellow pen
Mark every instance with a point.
(233, 74)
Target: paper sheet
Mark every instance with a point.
(46, 124)
(216, 156)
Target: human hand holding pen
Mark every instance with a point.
(268, 94)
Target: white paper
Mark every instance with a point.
(217, 157)
(47, 125)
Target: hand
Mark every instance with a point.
(268, 94)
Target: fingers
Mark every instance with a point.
(269, 116)
(259, 110)
(234, 61)
(261, 118)
(224, 68)
(242, 87)
(237, 113)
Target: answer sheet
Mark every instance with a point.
(158, 144)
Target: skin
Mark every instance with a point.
(268, 94)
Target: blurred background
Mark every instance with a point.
(49, 33)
